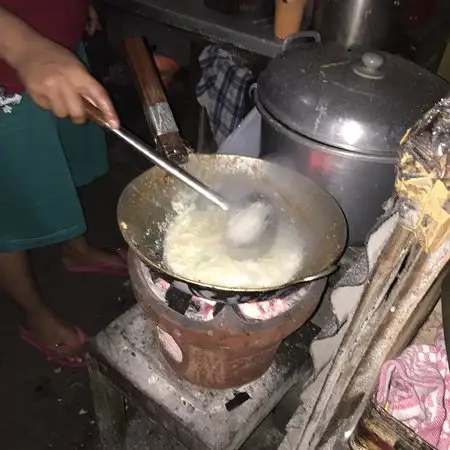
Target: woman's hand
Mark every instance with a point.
(56, 80)
(54, 77)
(93, 23)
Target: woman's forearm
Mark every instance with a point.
(17, 39)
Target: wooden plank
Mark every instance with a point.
(378, 430)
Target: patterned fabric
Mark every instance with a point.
(223, 91)
(415, 389)
(8, 101)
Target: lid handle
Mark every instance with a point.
(373, 61)
(371, 66)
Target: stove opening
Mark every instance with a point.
(203, 310)
(239, 399)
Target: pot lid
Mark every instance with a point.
(348, 99)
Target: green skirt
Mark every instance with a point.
(42, 162)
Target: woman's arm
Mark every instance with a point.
(15, 37)
(53, 77)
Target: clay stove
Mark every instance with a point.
(214, 345)
(190, 365)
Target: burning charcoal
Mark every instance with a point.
(177, 300)
(268, 309)
(194, 308)
(217, 308)
(201, 309)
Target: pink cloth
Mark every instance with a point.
(415, 389)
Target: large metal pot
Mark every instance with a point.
(338, 116)
(353, 23)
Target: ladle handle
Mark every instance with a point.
(96, 116)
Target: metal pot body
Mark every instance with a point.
(353, 23)
(358, 182)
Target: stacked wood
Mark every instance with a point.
(378, 430)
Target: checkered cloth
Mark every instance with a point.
(223, 91)
(415, 389)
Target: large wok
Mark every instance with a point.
(145, 206)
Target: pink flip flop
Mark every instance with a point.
(104, 268)
(51, 352)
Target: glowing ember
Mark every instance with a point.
(205, 310)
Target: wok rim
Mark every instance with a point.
(152, 266)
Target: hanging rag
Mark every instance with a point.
(223, 91)
(415, 389)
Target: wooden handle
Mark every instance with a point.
(145, 71)
(156, 107)
(95, 114)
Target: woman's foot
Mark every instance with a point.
(79, 256)
(42, 328)
(54, 337)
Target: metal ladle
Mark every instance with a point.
(255, 209)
